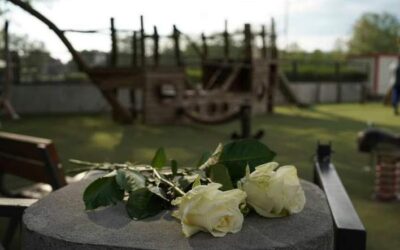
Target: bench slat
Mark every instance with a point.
(32, 158)
(22, 145)
(31, 170)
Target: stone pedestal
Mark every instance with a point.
(59, 221)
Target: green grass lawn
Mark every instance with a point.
(291, 132)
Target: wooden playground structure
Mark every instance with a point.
(226, 84)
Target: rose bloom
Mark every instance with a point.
(207, 209)
(274, 192)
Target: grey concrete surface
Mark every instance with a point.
(86, 98)
(59, 222)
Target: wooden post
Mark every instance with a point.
(264, 43)
(134, 50)
(7, 55)
(156, 54)
(175, 36)
(274, 49)
(142, 43)
(204, 45)
(226, 41)
(273, 70)
(114, 46)
(248, 49)
(338, 83)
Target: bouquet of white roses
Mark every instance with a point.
(213, 197)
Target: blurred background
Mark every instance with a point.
(332, 62)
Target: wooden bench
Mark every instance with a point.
(349, 231)
(31, 158)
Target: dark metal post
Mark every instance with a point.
(114, 46)
(324, 152)
(156, 54)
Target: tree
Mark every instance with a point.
(374, 32)
(119, 112)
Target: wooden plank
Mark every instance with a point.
(10, 207)
(349, 230)
(32, 158)
(22, 145)
(54, 167)
(29, 169)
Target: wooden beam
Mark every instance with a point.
(273, 70)
(204, 46)
(248, 48)
(134, 49)
(142, 43)
(114, 45)
(226, 41)
(156, 53)
(264, 43)
(176, 38)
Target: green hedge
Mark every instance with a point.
(323, 72)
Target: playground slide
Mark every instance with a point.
(287, 92)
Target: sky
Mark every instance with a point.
(312, 24)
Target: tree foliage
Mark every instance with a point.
(374, 32)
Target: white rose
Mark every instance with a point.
(207, 209)
(274, 192)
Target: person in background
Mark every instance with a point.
(396, 88)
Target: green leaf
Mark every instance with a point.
(174, 168)
(158, 191)
(102, 192)
(219, 174)
(204, 157)
(159, 160)
(236, 155)
(143, 203)
(197, 182)
(130, 180)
